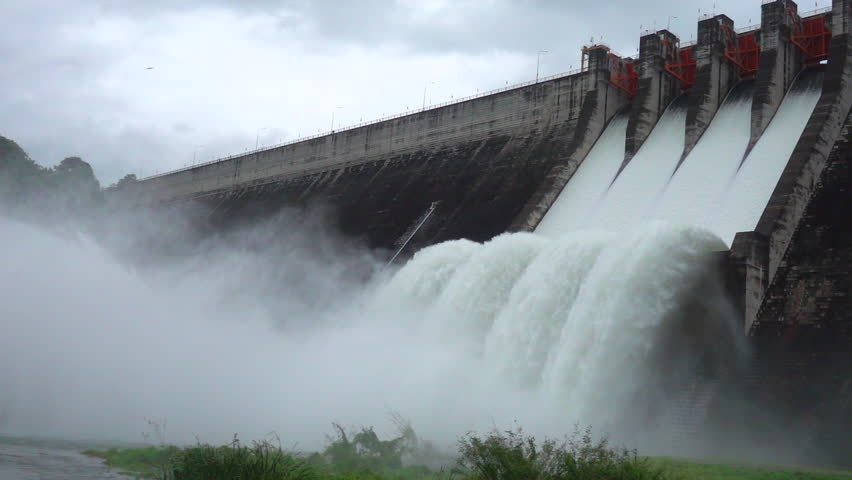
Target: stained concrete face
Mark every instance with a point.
(477, 184)
(750, 259)
(803, 333)
(841, 17)
(714, 77)
(813, 283)
(528, 109)
(657, 88)
(780, 62)
(784, 211)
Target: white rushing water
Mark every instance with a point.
(544, 331)
(636, 188)
(695, 191)
(587, 186)
(745, 199)
(714, 187)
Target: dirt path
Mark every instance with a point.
(26, 462)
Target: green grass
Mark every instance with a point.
(262, 461)
(147, 462)
(513, 455)
(688, 469)
(498, 455)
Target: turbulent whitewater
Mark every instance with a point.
(547, 332)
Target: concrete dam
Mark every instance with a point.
(743, 133)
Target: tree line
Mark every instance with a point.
(69, 188)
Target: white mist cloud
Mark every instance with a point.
(284, 328)
(244, 339)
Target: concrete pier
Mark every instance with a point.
(780, 62)
(750, 259)
(793, 192)
(657, 88)
(715, 76)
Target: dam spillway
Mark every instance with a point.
(750, 145)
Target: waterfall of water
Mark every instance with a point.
(548, 331)
(589, 183)
(746, 197)
(696, 189)
(637, 186)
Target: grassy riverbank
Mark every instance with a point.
(146, 462)
(695, 469)
(495, 456)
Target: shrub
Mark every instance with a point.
(512, 455)
(365, 451)
(261, 461)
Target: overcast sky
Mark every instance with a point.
(75, 76)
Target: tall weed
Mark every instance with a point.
(513, 455)
(261, 461)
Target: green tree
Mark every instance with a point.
(20, 176)
(74, 185)
(126, 180)
(35, 192)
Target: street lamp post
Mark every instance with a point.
(194, 152)
(538, 63)
(257, 137)
(669, 23)
(426, 85)
(332, 116)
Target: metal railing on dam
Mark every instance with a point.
(373, 122)
(813, 13)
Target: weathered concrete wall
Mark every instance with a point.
(750, 259)
(841, 17)
(526, 109)
(790, 197)
(714, 77)
(481, 159)
(657, 88)
(803, 334)
(477, 184)
(812, 286)
(780, 62)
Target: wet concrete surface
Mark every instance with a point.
(30, 462)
